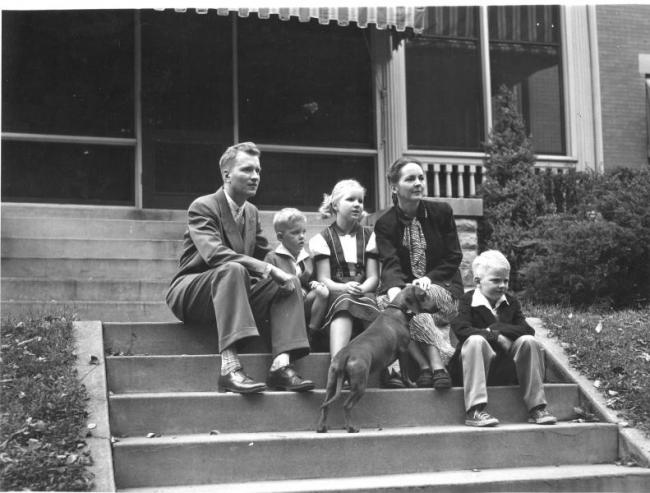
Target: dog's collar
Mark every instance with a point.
(409, 314)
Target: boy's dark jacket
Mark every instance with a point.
(475, 321)
(283, 262)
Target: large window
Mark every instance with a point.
(68, 74)
(525, 56)
(305, 83)
(302, 89)
(443, 82)
(444, 69)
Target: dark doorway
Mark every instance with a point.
(186, 105)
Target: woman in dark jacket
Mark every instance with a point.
(418, 243)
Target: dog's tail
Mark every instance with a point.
(337, 393)
(339, 374)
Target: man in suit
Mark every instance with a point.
(223, 280)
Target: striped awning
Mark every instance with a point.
(400, 18)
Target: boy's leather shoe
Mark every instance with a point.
(237, 381)
(286, 378)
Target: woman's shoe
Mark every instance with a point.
(391, 380)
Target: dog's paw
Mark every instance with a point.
(352, 429)
(321, 429)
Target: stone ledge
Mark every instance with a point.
(89, 342)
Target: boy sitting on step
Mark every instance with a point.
(496, 342)
(291, 257)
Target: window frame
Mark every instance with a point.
(484, 51)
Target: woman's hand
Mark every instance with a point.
(353, 288)
(423, 283)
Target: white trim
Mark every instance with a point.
(592, 26)
(137, 165)
(335, 151)
(235, 80)
(69, 139)
(484, 34)
(377, 43)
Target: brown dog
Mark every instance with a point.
(375, 348)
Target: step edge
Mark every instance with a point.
(318, 391)
(383, 434)
(422, 479)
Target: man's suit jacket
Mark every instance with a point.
(213, 238)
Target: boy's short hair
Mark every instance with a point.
(228, 158)
(488, 259)
(287, 217)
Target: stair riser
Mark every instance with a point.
(199, 372)
(87, 269)
(628, 484)
(345, 455)
(32, 289)
(281, 411)
(52, 227)
(121, 311)
(10, 210)
(128, 374)
(90, 248)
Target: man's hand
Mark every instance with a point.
(284, 280)
(504, 342)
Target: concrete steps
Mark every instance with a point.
(575, 478)
(107, 263)
(235, 457)
(200, 412)
(162, 384)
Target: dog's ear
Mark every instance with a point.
(414, 297)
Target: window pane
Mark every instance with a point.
(525, 55)
(187, 167)
(443, 82)
(187, 72)
(304, 83)
(72, 173)
(295, 180)
(68, 72)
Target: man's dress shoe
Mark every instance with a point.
(286, 378)
(237, 381)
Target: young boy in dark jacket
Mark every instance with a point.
(495, 341)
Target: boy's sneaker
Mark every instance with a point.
(441, 380)
(541, 416)
(480, 417)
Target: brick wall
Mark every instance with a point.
(623, 33)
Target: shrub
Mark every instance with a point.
(582, 262)
(598, 250)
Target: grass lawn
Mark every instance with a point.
(42, 408)
(613, 349)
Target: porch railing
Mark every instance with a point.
(462, 180)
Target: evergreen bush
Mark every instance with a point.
(513, 196)
(577, 237)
